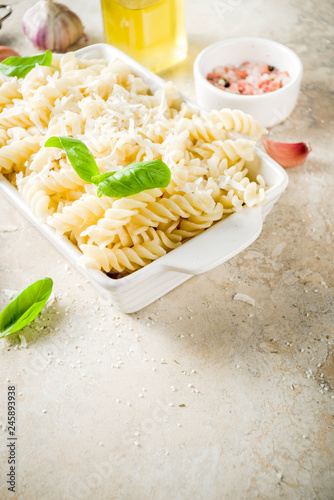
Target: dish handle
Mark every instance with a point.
(227, 238)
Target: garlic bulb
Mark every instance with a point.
(51, 25)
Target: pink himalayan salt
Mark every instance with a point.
(248, 78)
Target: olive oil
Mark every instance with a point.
(152, 32)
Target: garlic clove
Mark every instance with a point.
(53, 26)
(287, 154)
(7, 52)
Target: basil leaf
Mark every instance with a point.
(78, 154)
(96, 179)
(135, 178)
(25, 307)
(20, 66)
(130, 180)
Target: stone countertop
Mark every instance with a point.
(198, 395)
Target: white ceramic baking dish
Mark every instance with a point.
(214, 246)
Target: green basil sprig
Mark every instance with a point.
(25, 307)
(133, 179)
(78, 154)
(20, 66)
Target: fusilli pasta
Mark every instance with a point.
(113, 111)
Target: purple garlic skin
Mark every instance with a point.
(53, 26)
(287, 154)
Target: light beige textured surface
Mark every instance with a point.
(199, 396)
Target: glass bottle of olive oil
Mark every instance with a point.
(151, 31)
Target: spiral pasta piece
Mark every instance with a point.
(61, 181)
(14, 155)
(9, 91)
(79, 215)
(17, 116)
(3, 137)
(126, 258)
(238, 121)
(38, 200)
(231, 150)
(127, 212)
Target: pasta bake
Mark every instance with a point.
(114, 112)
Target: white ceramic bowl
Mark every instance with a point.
(214, 246)
(270, 108)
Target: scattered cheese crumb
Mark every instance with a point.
(8, 229)
(23, 341)
(244, 298)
